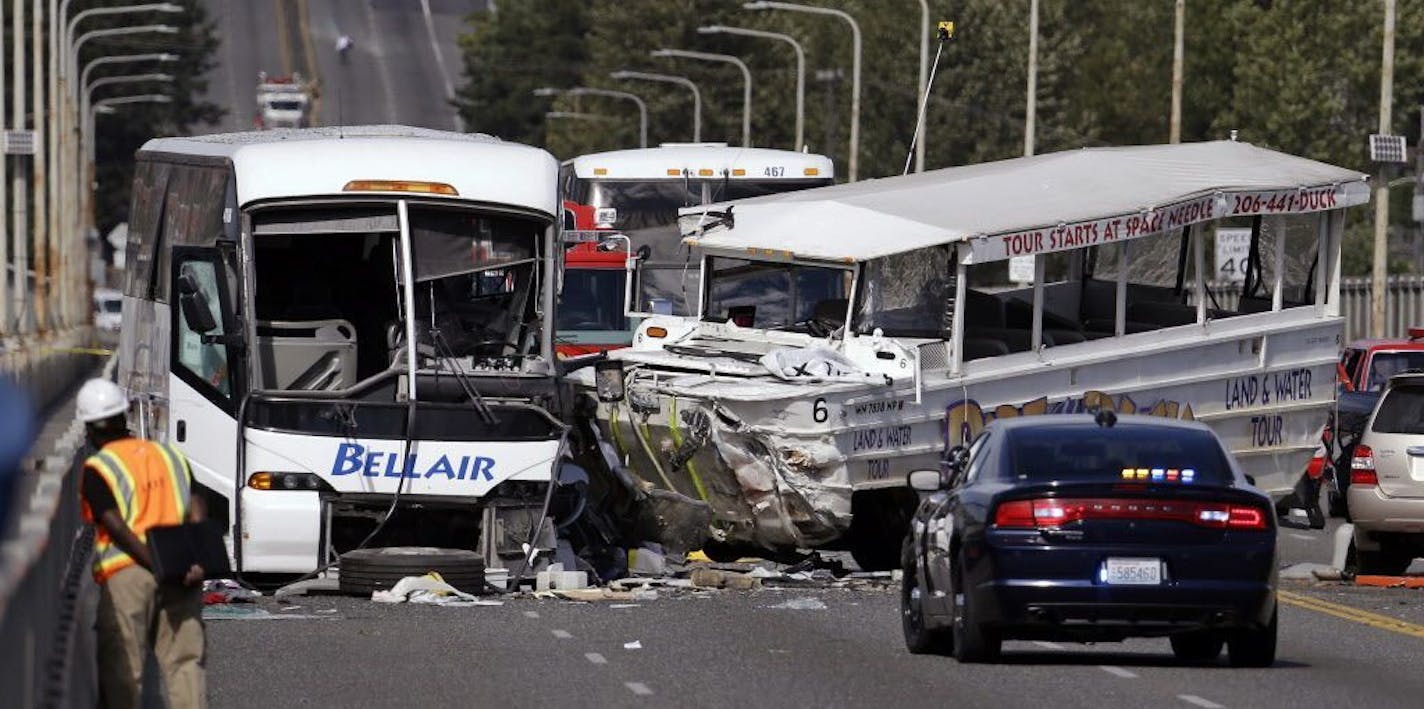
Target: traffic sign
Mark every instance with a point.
(1233, 248)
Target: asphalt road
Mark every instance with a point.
(404, 65)
(1339, 645)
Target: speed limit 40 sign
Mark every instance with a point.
(1233, 247)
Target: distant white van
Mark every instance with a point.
(108, 309)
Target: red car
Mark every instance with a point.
(1365, 366)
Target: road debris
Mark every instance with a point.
(429, 589)
(800, 604)
(635, 645)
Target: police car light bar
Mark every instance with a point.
(1387, 148)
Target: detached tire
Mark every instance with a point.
(366, 570)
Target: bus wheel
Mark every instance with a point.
(366, 570)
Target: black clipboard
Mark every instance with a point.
(175, 549)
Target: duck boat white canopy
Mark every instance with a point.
(849, 334)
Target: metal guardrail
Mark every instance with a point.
(1404, 304)
(44, 550)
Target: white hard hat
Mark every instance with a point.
(100, 399)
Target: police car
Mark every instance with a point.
(1091, 528)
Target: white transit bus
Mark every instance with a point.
(637, 193)
(335, 324)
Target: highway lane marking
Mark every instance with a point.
(562, 634)
(312, 69)
(1374, 620)
(531, 614)
(283, 44)
(440, 62)
(596, 658)
(1048, 645)
(1118, 671)
(638, 688)
(1204, 703)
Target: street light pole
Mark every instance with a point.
(87, 169)
(924, 82)
(1174, 132)
(800, 70)
(1380, 266)
(38, 165)
(726, 59)
(590, 91)
(1030, 114)
(19, 186)
(75, 189)
(669, 79)
(853, 161)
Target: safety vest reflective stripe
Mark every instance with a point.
(116, 474)
(109, 559)
(180, 476)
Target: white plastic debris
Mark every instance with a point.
(429, 589)
(635, 645)
(801, 604)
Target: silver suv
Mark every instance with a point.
(1386, 492)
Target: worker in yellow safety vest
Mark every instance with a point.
(130, 486)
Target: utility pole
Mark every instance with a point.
(1032, 110)
(19, 186)
(38, 176)
(4, 213)
(924, 82)
(1380, 266)
(1174, 133)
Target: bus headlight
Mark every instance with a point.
(285, 481)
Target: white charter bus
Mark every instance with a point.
(335, 324)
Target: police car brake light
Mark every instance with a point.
(1015, 514)
(416, 186)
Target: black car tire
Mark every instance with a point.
(973, 642)
(366, 570)
(1253, 647)
(919, 640)
(1200, 646)
(1385, 562)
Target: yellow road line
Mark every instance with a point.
(1374, 620)
(283, 44)
(312, 70)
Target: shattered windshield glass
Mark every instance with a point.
(328, 294)
(906, 294)
(770, 295)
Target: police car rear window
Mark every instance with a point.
(1402, 411)
(1136, 453)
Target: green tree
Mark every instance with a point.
(509, 53)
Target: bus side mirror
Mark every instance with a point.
(196, 312)
(633, 282)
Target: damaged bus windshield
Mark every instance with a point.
(777, 296)
(329, 291)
